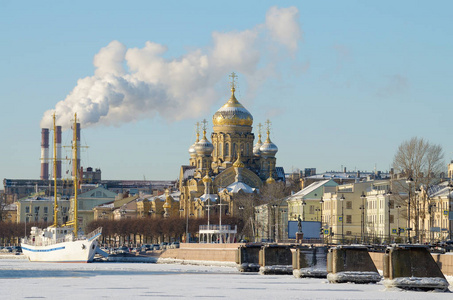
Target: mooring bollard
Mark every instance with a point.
(309, 262)
(247, 258)
(351, 264)
(275, 259)
(412, 267)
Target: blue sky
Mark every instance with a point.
(343, 82)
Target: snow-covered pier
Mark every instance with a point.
(412, 267)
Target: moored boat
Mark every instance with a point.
(61, 243)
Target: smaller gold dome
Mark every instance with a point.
(238, 163)
(270, 180)
(207, 178)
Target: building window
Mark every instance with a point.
(391, 204)
(312, 209)
(227, 149)
(348, 204)
(27, 209)
(46, 209)
(348, 232)
(391, 218)
(348, 219)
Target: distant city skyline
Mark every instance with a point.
(343, 83)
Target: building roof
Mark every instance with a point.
(348, 175)
(188, 171)
(99, 192)
(440, 190)
(212, 197)
(235, 187)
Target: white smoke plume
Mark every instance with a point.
(137, 83)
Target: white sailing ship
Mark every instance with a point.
(61, 243)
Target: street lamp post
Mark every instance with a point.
(303, 210)
(361, 223)
(282, 226)
(417, 214)
(398, 218)
(431, 220)
(241, 210)
(450, 187)
(187, 223)
(362, 229)
(409, 181)
(321, 202)
(274, 206)
(389, 194)
(342, 219)
(26, 217)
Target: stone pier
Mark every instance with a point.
(248, 258)
(309, 262)
(351, 264)
(275, 259)
(412, 267)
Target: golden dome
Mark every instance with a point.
(207, 178)
(270, 180)
(238, 163)
(232, 113)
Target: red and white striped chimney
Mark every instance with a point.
(58, 140)
(44, 154)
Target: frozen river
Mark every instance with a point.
(21, 279)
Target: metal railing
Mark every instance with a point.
(215, 227)
(95, 232)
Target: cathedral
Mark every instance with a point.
(228, 165)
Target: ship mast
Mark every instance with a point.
(76, 170)
(55, 212)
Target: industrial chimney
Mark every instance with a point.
(44, 154)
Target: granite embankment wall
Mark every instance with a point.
(204, 252)
(227, 253)
(444, 261)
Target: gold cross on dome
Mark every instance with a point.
(260, 126)
(205, 124)
(233, 77)
(268, 125)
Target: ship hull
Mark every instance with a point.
(80, 251)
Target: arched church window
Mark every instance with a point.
(227, 149)
(235, 150)
(247, 149)
(220, 149)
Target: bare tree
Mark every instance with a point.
(422, 162)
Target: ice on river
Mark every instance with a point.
(21, 279)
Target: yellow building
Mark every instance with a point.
(344, 212)
(306, 202)
(41, 209)
(435, 207)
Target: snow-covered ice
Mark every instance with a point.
(21, 279)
